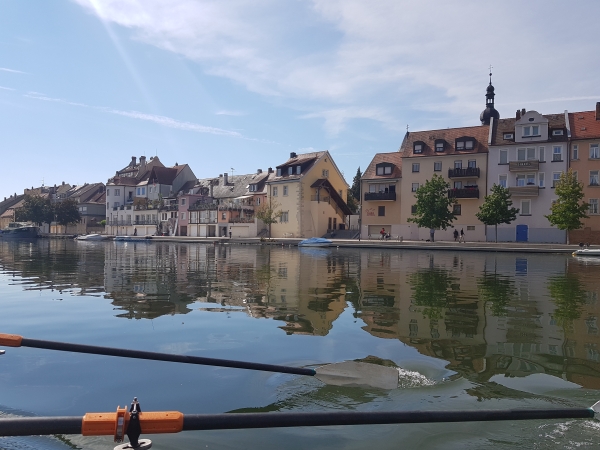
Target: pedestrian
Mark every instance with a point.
(455, 235)
(462, 236)
(229, 234)
(135, 231)
(382, 233)
(431, 234)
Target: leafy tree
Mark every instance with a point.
(568, 210)
(433, 205)
(35, 209)
(497, 208)
(66, 212)
(268, 213)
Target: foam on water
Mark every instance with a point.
(411, 379)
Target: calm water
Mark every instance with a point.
(470, 330)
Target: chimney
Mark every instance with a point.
(225, 180)
(142, 162)
(293, 155)
(518, 116)
(259, 171)
(597, 110)
(523, 112)
(270, 170)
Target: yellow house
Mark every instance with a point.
(310, 191)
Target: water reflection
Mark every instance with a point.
(484, 314)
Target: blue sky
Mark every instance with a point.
(86, 84)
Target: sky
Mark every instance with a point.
(234, 86)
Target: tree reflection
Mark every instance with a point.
(498, 290)
(569, 296)
(433, 289)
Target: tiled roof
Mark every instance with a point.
(306, 161)
(480, 133)
(236, 186)
(584, 125)
(555, 122)
(395, 158)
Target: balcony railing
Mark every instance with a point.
(380, 196)
(203, 220)
(524, 191)
(119, 223)
(463, 193)
(242, 220)
(524, 166)
(467, 172)
(152, 221)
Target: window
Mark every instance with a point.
(557, 132)
(456, 208)
(542, 154)
(531, 154)
(525, 207)
(594, 181)
(116, 204)
(541, 179)
(381, 210)
(117, 192)
(384, 169)
(437, 166)
(575, 154)
(502, 180)
(107, 205)
(223, 216)
(593, 208)
(508, 136)
(416, 167)
(163, 216)
(415, 186)
(418, 147)
(387, 170)
(182, 216)
(594, 154)
(530, 179)
(284, 217)
(298, 170)
(555, 178)
(458, 185)
(469, 145)
(278, 172)
(531, 131)
(472, 164)
(290, 170)
(458, 164)
(274, 192)
(183, 201)
(285, 190)
(557, 153)
(252, 188)
(520, 180)
(521, 154)
(325, 173)
(413, 209)
(503, 157)
(439, 145)
(107, 192)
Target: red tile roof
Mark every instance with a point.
(480, 133)
(555, 122)
(584, 125)
(395, 158)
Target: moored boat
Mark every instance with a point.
(91, 237)
(17, 230)
(315, 242)
(587, 252)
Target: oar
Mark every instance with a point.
(98, 424)
(347, 373)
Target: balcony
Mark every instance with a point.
(380, 196)
(467, 192)
(203, 220)
(151, 221)
(524, 191)
(468, 172)
(524, 166)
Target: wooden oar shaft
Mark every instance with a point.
(154, 356)
(27, 426)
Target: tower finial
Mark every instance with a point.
(490, 74)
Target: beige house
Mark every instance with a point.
(310, 191)
(459, 155)
(380, 196)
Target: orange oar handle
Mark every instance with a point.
(10, 340)
(105, 424)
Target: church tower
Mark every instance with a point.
(489, 110)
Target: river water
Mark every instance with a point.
(468, 330)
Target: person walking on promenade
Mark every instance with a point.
(462, 236)
(382, 233)
(431, 234)
(455, 235)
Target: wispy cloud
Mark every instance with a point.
(230, 113)
(6, 88)
(4, 69)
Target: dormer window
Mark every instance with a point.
(465, 143)
(440, 145)
(418, 147)
(298, 170)
(509, 136)
(557, 132)
(531, 131)
(278, 172)
(290, 170)
(384, 169)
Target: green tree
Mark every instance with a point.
(355, 189)
(66, 212)
(568, 210)
(433, 205)
(498, 290)
(569, 296)
(433, 289)
(35, 209)
(497, 208)
(268, 213)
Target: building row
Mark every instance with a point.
(526, 153)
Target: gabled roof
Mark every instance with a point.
(584, 125)
(237, 185)
(555, 122)
(449, 135)
(394, 158)
(305, 161)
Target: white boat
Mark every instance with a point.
(91, 237)
(17, 230)
(315, 242)
(587, 252)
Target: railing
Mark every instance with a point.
(467, 172)
(203, 220)
(524, 166)
(242, 220)
(119, 223)
(524, 191)
(463, 193)
(318, 198)
(173, 207)
(374, 196)
(203, 207)
(145, 222)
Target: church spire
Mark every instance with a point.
(489, 110)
